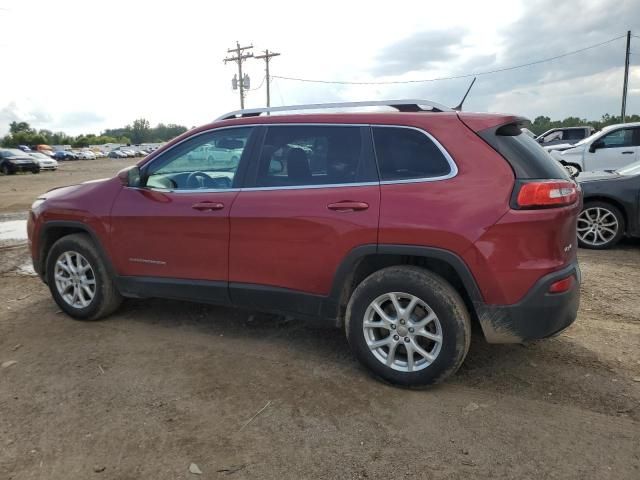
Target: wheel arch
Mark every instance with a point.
(365, 260)
(54, 230)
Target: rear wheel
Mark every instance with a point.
(408, 326)
(79, 280)
(600, 225)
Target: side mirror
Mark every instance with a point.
(596, 145)
(540, 140)
(130, 176)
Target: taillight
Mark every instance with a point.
(547, 193)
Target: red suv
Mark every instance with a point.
(402, 227)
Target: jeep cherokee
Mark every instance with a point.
(403, 228)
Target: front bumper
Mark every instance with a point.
(538, 315)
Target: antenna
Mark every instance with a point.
(459, 107)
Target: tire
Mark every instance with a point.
(106, 298)
(35, 171)
(6, 170)
(601, 225)
(435, 296)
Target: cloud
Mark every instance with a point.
(586, 84)
(80, 119)
(14, 112)
(416, 52)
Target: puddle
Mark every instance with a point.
(26, 269)
(13, 230)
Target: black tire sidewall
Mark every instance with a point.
(439, 296)
(621, 225)
(81, 244)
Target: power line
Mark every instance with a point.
(454, 77)
(256, 88)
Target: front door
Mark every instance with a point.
(315, 196)
(616, 150)
(176, 225)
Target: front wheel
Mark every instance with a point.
(79, 280)
(573, 169)
(600, 225)
(408, 326)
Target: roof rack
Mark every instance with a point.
(400, 105)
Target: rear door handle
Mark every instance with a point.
(207, 206)
(346, 206)
(627, 152)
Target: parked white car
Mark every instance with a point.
(45, 161)
(611, 148)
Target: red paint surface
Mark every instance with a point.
(291, 239)
(164, 227)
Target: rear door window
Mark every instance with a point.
(310, 155)
(575, 134)
(408, 154)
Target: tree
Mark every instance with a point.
(17, 127)
(141, 130)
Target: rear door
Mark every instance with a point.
(618, 149)
(314, 196)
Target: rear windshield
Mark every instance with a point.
(527, 158)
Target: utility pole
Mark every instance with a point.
(267, 56)
(626, 77)
(239, 58)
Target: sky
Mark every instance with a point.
(82, 66)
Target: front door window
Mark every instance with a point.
(206, 162)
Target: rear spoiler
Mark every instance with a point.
(478, 122)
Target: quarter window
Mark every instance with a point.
(308, 155)
(207, 161)
(405, 154)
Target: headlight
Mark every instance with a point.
(37, 203)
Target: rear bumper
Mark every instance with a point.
(538, 315)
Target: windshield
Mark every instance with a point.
(15, 152)
(633, 169)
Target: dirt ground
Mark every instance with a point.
(163, 384)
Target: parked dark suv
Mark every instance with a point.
(403, 228)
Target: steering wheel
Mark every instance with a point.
(198, 180)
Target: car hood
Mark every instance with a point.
(596, 176)
(19, 157)
(60, 191)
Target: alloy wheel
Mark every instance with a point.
(75, 279)
(402, 332)
(597, 226)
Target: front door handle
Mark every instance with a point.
(207, 206)
(627, 152)
(347, 206)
